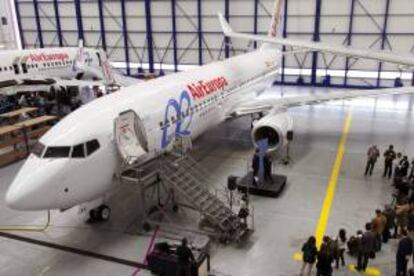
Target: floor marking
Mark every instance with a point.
(370, 271)
(330, 191)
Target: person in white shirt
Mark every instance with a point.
(341, 241)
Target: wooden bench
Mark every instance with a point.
(17, 137)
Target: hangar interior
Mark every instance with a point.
(326, 188)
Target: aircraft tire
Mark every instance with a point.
(104, 212)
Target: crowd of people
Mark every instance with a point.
(394, 221)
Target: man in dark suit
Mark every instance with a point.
(256, 167)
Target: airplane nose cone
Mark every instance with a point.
(15, 199)
(31, 189)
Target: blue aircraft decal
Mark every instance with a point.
(182, 123)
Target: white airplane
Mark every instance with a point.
(54, 67)
(76, 161)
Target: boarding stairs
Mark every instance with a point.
(187, 177)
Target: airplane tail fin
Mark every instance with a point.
(80, 57)
(276, 26)
(277, 23)
(106, 68)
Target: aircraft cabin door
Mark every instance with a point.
(16, 68)
(131, 138)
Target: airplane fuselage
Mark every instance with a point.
(76, 160)
(65, 63)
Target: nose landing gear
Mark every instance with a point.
(101, 213)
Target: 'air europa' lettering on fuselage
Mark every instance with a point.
(202, 89)
(182, 110)
(48, 57)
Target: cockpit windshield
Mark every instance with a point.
(77, 151)
(38, 149)
(57, 152)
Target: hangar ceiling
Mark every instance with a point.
(172, 34)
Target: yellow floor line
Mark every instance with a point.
(330, 191)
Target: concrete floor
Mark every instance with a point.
(282, 224)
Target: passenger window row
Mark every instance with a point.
(46, 64)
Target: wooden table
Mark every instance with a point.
(8, 129)
(35, 121)
(20, 134)
(18, 112)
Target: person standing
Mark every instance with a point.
(324, 264)
(185, 257)
(389, 213)
(404, 252)
(310, 252)
(389, 156)
(256, 167)
(267, 168)
(341, 241)
(372, 154)
(404, 165)
(366, 248)
(378, 226)
(411, 176)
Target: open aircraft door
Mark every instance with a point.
(131, 138)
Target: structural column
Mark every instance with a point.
(285, 16)
(19, 23)
(174, 34)
(102, 24)
(227, 39)
(200, 33)
(349, 39)
(125, 36)
(38, 25)
(79, 19)
(58, 26)
(316, 38)
(383, 38)
(149, 35)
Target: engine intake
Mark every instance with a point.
(273, 127)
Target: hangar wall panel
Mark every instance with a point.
(145, 32)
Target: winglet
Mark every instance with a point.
(227, 30)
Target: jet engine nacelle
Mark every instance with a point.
(274, 127)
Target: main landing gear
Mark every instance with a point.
(101, 213)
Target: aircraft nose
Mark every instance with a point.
(31, 190)
(17, 200)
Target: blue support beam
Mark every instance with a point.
(285, 15)
(38, 24)
(19, 23)
(227, 39)
(102, 24)
(79, 22)
(200, 33)
(174, 34)
(256, 21)
(316, 38)
(150, 42)
(349, 39)
(383, 38)
(58, 25)
(125, 35)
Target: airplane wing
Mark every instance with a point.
(407, 61)
(254, 106)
